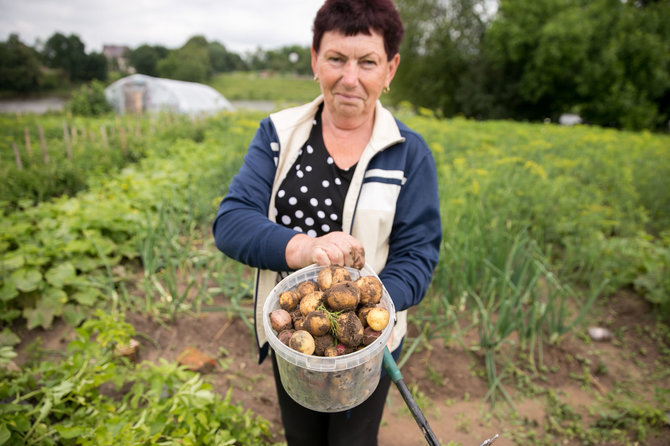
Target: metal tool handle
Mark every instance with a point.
(394, 372)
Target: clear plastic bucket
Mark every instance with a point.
(327, 384)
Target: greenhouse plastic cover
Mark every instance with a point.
(140, 92)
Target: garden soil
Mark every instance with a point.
(448, 381)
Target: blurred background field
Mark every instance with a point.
(264, 86)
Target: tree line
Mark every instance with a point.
(607, 61)
(62, 61)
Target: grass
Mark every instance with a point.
(279, 88)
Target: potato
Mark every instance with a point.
(296, 314)
(363, 314)
(343, 349)
(370, 336)
(370, 288)
(302, 342)
(331, 275)
(337, 350)
(349, 329)
(322, 343)
(343, 296)
(289, 300)
(299, 323)
(378, 318)
(311, 302)
(317, 323)
(306, 287)
(285, 335)
(280, 320)
(330, 351)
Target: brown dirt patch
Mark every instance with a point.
(448, 381)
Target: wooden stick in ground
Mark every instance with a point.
(138, 129)
(17, 156)
(122, 134)
(73, 130)
(29, 149)
(66, 136)
(103, 135)
(43, 144)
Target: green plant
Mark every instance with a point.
(89, 100)
(94, 397)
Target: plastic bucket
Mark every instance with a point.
(327, 384)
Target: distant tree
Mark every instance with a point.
(633, 55)
(256, 60)
(189, 63)
(442, 40)
(223, 60)
(145, 59)
(607, 60)
(19, 66)
(289, 59)
(66, 53)
(95, 67)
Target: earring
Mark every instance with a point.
(386, 89)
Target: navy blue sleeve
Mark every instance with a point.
(417, 232)
(241, 228)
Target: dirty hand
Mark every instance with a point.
(334, 248)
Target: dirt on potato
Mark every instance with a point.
(349, 329)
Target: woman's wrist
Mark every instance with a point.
(298, 251)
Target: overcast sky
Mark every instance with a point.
(240, 25)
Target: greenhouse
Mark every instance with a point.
(141, 93)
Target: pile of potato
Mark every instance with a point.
(331, 317)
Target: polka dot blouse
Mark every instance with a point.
(311, 197)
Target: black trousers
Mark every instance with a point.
(358, 426)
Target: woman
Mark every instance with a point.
(338, 181)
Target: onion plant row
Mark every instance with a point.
(539, 221)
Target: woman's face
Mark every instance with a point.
(353, 71)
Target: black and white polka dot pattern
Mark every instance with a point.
(311, 197)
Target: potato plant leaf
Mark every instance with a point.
(86, 264)
(4, 434)
(50, 305)
(8, 290)
(12, 261)
(86, 297)
(61, 274)
(27, 279)
(7, 337)
(73, 314)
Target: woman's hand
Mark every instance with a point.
(335, 248)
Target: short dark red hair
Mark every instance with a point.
(351, 17)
